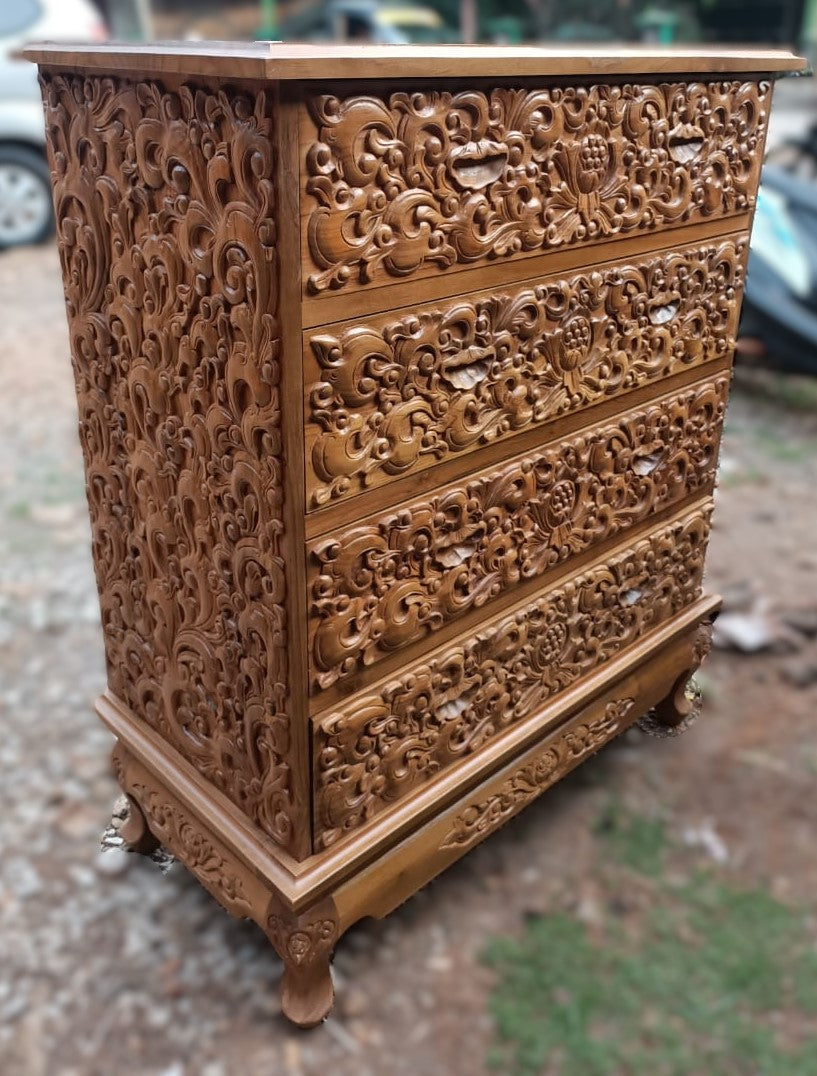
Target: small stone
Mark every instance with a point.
(800, 672)
(77, 820)
(439, 962)
(214, 1068)
(804, 621)
(113, 862)
(54, 515)
(13, 1008)
(352, 1002)
(22, 878)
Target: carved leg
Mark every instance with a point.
(134, 830)
(130, 824)
(681, 708)
(304, 943)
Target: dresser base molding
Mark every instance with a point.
(304, 919)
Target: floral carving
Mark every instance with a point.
(165, 210)
(386, 397)
(396, 577)
(302, 940)
(529, 781)
(393, 740)
(185, 839)
(420, 181)
(703, 642)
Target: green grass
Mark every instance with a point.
(702, 985)
(796, 392)
(783, 448)
(633, 840)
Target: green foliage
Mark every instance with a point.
(715, 979)
(633, 840)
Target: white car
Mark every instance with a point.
(26, 214)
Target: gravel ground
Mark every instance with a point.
(109, 967)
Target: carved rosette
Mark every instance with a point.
(305, 941)
(387, 396)
(530, 780)
(165, 211)
(397, 577)
(302, 940)
(394, 740)
(402, 185)
(703, 642)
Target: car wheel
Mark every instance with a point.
(26, 213)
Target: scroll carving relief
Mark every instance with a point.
(391, 741)
(184, 836)
(530, 780)
(303, 940)
(403, 185)
(165, 211)
(388, 396)
(381, 584)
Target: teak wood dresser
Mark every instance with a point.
(401, 378)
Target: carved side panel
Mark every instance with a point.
(414, 182)
(389, 396)
(396, 577)
(166, 225)
(561, 755)
(389, 742)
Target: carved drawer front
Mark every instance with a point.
(410, 183)
(386, 742)
(400, 575)
(397, 393)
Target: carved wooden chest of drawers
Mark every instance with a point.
(401, 377)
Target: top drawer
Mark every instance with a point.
(403, 185)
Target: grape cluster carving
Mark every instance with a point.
(395, 739)
(399, 576)
(415, 182)
(386, 396)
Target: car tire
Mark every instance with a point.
(26, 209)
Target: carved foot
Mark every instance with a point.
(676, 713)
(682, 707)
(128, 822)
(305, 943)
(134, 831)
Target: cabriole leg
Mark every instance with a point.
(305, 943)
(680, 709)
(131, 826)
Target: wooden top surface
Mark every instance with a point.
(277, 60)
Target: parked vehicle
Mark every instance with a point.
(366, 20)
(797, 154)
(779, 318)
(26, 214)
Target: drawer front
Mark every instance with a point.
(386, 742)
(404, 185)
(395, 394)
(398, 576)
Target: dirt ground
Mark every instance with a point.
(109, 967)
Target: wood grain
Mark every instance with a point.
(166, 221)
(401, 377)
(278, 60)
(386, 742)
(412, 183)
(394, 395)
(387, 580)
